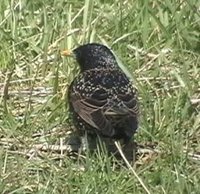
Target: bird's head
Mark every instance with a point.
(93, 56)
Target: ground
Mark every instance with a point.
(157, 41)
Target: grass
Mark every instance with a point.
(158, 41)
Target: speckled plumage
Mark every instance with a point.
(102, 99)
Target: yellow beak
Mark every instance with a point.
(66, 53)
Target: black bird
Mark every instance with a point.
(102, 99)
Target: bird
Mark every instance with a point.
(102, 99)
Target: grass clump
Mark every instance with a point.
(159, 43)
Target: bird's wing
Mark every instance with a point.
(130, 103)
(95, 109)
(90, 109)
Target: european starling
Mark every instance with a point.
(101, 98)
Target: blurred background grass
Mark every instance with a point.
(158, 41)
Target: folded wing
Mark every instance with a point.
(98, 109)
